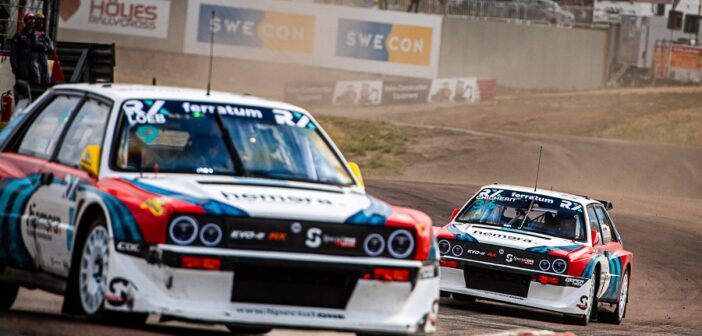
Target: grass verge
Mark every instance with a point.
(378, 147)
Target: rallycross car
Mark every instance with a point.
(215, 208)
(537, 248)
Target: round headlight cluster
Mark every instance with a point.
(400, 244)
(557, 266)
(444, 246)
(184, 230)
(211, 234)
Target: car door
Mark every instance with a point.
(24, 156)
(56, 202)
(610, 238)
(600, 247)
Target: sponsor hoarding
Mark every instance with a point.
(309, 93)
(460, 90)
(358, 92)
(147, 18)
(406, 91)
(354, 39)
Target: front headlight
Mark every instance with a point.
(211, 234)
(544, 265)
(374, 245)
(559, 266)
(183, 230)
(444, 246)
(400, 244)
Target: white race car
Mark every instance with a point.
(221, 208)
(538, 248)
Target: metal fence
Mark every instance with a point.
(525, 11)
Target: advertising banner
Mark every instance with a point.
(146, 18)
(358, 92)
(406, 91)
(459, 90)
(355, 39)
(309, 93)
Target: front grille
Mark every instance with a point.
(294, 286)
(496, 281)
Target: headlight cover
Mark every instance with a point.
(559, 266)
(400, 244)
(211, 234)
(183, 230)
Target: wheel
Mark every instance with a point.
(590, 301)
(619, 312)
(239, 330)
(8, 295)
(92, 270)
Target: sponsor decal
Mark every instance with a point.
(247, 235)
(120, 292)
(245, 27)
(583, 302)
(501, 236)
(497, 195)
(294, 119)
(42, 225)
(385, 42)
(148, 18)
(274, 198)
(316, 237)
(492, 255)
(154, 205)
(137, 115)
(575, 282)
(571, 206)
(226, 110)
(128, 247)
(277, 236)
(291, 313)
(524, 261)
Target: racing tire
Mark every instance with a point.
(8, 295)
(91, 273)
(239, 330)
(619, 312)
(591, 310)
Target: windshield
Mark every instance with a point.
(527, 212)
(185, 137)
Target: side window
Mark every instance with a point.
(594, 221)
(41, 137)
(87, 129)
(607, 231)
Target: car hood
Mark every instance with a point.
(282, 200)
(507, 237)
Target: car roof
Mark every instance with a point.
(119, 92)
(544, 192)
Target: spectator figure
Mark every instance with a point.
(42, 47)
(413, 4)
(21, 58)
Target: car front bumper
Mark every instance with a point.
(159, 286)
(565, 299)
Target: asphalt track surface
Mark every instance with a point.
(666, 281)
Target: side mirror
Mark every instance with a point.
(90, 160)
(595, 237)
(356, 170)
(454, 214)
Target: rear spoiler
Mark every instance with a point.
(607, 204)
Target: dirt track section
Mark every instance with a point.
(665, 293)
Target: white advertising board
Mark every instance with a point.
(146, 18)
(355, 39)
